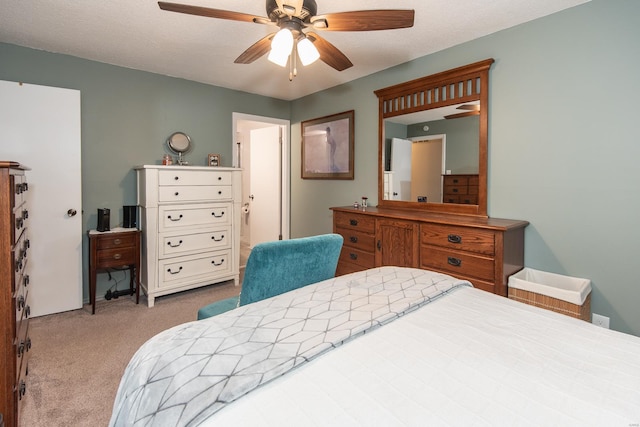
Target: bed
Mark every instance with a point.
(388, 346)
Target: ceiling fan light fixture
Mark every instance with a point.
(281, 47)
(307, 52)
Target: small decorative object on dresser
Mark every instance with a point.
(190, 218)
(15, 343)
(214, 160)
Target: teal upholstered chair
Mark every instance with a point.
(281, 266)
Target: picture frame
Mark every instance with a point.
(213, 160)
(327, 147)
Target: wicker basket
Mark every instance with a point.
(543, 301)
(529, 286)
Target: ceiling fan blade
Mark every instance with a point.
(256, 50)
(469, 107)
(465, 114)
(330, 54)
(365, 20)
(208, 12)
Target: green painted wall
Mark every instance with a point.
(127, 116)
(563, 144)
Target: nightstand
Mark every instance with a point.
(119, 247)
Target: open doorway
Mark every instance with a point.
(261, 149)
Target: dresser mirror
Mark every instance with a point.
(428, 128)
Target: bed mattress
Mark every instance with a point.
(469, 358)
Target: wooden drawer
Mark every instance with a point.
(181, 270)
(454, 180)
(456, 263)
(116, 241)
(187, 177)
(459, 238)
(176, 217)
(468, 199)
(356, 239)
(456, 189)
(174, 244)
(355, 221)
(116, 257)
(193, 193)
(357, 256)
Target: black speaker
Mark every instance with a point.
(104, 220)
(129, 217)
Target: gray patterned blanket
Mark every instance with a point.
(185, 374)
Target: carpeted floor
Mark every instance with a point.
(77, 359)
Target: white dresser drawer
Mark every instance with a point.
(181, 269)
(191, 177)
(177, 244)
(180, 217)
(193, 193)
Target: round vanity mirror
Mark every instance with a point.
(179, 143)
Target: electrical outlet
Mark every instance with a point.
(600, 320)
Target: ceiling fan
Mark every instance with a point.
(298, 21)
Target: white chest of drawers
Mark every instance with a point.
(190, 221)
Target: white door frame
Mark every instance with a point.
(285, 177)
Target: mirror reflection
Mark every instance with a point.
(433, 156)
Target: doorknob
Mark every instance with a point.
(71, 212)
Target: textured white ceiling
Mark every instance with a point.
(137, 34)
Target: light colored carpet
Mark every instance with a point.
(77, 359)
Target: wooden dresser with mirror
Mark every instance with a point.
(415, 224)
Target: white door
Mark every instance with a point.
(41, 129)
(264, 189)
(401, 168)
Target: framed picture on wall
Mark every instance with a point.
(327, 147)
(214, 160)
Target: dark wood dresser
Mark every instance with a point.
(14, 296)
(485, 251)
(460, 189)
(119, 247)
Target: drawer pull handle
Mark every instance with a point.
(454, 238)
(175, 219)
(353, 222)
(174, 246)
(218, 216)
(117, 241)
(379, 245)
(219, 192)
(353, 239)
(20, 303)
(27, 311)
(21, 349)
(117, 256)
(455, 190)
(353, 256)
(176, 178)
(455, 181)
(218, 240)
(174, 272)
(22, 389)
(176, 193)
(219, 263)
(456, 262)
(25, 280)
(219, 178)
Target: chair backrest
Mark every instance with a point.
(283, 265)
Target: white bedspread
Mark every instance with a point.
(469, 358)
